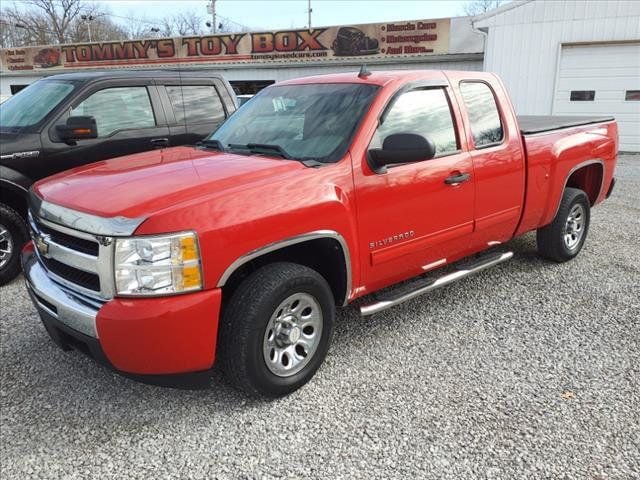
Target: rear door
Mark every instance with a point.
(129, 118)
(411, 219)
(498, 160)
(196, 109)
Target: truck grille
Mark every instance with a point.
(71, 257)
(69, 241)
(87, 280)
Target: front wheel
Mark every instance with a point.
(276, 329)
(13, 235)
(563, 238)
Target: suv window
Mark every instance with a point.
(118, 108)
(484, 117)
(201, 103)
(422, 111)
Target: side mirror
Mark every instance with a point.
(78, 128)
(401, 148)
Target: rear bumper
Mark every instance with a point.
(147, 338)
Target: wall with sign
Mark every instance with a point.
(371, 41)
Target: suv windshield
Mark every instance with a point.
(32, 104)
(303, 122)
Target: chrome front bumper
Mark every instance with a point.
(69, 308)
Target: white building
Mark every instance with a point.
(569, 57)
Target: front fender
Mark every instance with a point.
(14, 181)
(235, 225)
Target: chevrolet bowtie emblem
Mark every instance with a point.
(42, 243)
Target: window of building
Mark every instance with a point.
(118, 108)
(484, 116)
(582, 95)
(632, 95)
(195, 103)
(425, 112)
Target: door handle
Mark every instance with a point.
(457, 178)
(160, 142)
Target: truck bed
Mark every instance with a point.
(530, 124)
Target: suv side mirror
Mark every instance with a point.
(401, 148)
(78, 128)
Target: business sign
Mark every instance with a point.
(375, 41)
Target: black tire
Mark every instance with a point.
(551, 239)
(247, 317)
(13, 236)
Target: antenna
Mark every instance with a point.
(364, 71)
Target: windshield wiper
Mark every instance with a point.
(212, 143)
(263, 148)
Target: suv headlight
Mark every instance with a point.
(158, 265)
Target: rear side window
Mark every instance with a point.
(422, 111)
(196, 103)
(484, 117)
(119, 108)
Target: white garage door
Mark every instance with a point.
(602, 80)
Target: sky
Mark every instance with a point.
(281, 14)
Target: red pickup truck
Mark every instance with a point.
(316, 192)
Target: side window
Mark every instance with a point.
(484, 117)
(118, 108)
(422, 111)
(195, 103)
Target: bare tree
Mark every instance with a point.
(181, 24)
(137, 27)
(45, 22)
(478, 7)
(59, 15)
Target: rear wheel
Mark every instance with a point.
(13, 235)
(563, 238)
(276, 329)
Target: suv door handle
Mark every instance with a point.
(457, 178)
(160, 142)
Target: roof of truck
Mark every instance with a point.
(382, 77)
(137, 73)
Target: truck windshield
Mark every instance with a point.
(303, 122)
(32, 104)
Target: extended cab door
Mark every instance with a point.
(194, 109)
(498, 158)
(411, 217)
(129, 120)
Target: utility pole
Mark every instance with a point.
(88, 19)
(309, 10)
(211, 8)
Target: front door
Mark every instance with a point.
(127, 123)
(413, 218)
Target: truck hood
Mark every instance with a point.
(140, 185)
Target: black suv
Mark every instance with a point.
(67, 120)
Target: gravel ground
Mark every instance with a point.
(529, 370)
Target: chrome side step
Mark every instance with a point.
(426, 285)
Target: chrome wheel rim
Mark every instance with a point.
(292, 335)
(574, 227)
(6, 246)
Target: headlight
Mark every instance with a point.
(157, 265)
